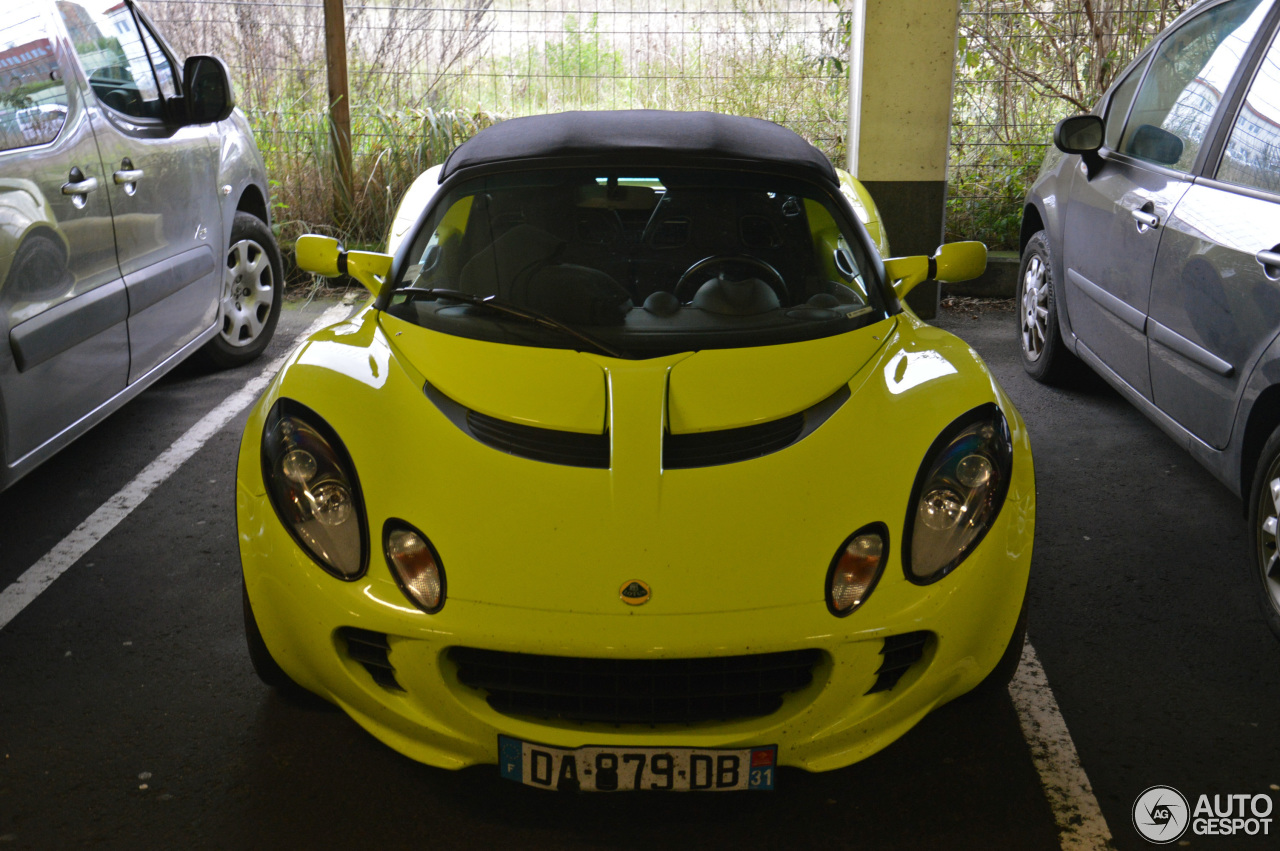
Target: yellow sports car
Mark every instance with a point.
(635, 472)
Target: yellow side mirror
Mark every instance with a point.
(318, 254)
(960, 261)
(953, 262)
(323, 255)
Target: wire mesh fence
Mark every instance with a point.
(425, 77)
(426, 74)
(1021, 66)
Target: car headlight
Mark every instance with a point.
(856, 569)
(958, 493)
(313, 488)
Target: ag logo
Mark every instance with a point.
(634, 593)
(1161, 815)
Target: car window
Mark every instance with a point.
(33, 96)
(1118, 108)
(1252, 155)
(1190, 70)
(686, 259)
(126, 70)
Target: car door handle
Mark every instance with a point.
(1146, 221)
(127, 176)
(78, 186)
(1270, 262)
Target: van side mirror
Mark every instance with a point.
(1083, 135)
(206, 89)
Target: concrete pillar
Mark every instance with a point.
(905, 123)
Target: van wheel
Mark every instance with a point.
(1044, 354)
(252, 292)
(1264, 520)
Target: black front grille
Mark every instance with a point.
(900, 652)
(635, 691)
(371, 650)
(540, 444)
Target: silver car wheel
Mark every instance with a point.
(248, 293)
(1268, 527)
(1035, 309)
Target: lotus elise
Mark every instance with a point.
(635, 472)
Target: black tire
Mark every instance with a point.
(264, 664)
(1044, 354)
(997, 682)
(1264, 566)
(251, 296)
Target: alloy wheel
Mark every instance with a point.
(1268, 529)
(1035, 307)
(247, 293)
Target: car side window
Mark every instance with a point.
(33, 96)
(126, 69)
(1252, 155)
(1190, 70)
(1118, 108)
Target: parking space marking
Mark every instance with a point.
(1066, 786)
(97, 525)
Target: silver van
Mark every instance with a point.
(1151, 252)
(134, 220)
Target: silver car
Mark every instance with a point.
(1151, 252)
(134, 220)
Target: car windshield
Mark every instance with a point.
(647, 263)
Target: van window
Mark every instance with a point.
(33, 96)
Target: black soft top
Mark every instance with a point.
(638, 138)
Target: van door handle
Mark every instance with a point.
(1270, 262)
(78, 186)
(1146, 221)
(127, 176)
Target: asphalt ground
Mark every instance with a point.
(130, 716)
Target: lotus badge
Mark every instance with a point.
(634, 593)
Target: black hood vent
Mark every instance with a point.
(731, 445)
(549, 445)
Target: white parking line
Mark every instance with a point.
(97, 525)
(1075, 809)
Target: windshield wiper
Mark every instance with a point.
(527, 314)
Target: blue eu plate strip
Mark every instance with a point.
(511, 758)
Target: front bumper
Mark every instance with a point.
(305, 617)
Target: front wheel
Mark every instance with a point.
(264, 664)
(1264, 521)
(252, 292)
(1044, 354)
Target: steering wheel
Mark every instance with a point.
(721, 264)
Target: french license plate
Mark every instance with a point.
(610, 769)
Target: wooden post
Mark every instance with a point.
(335, 46)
